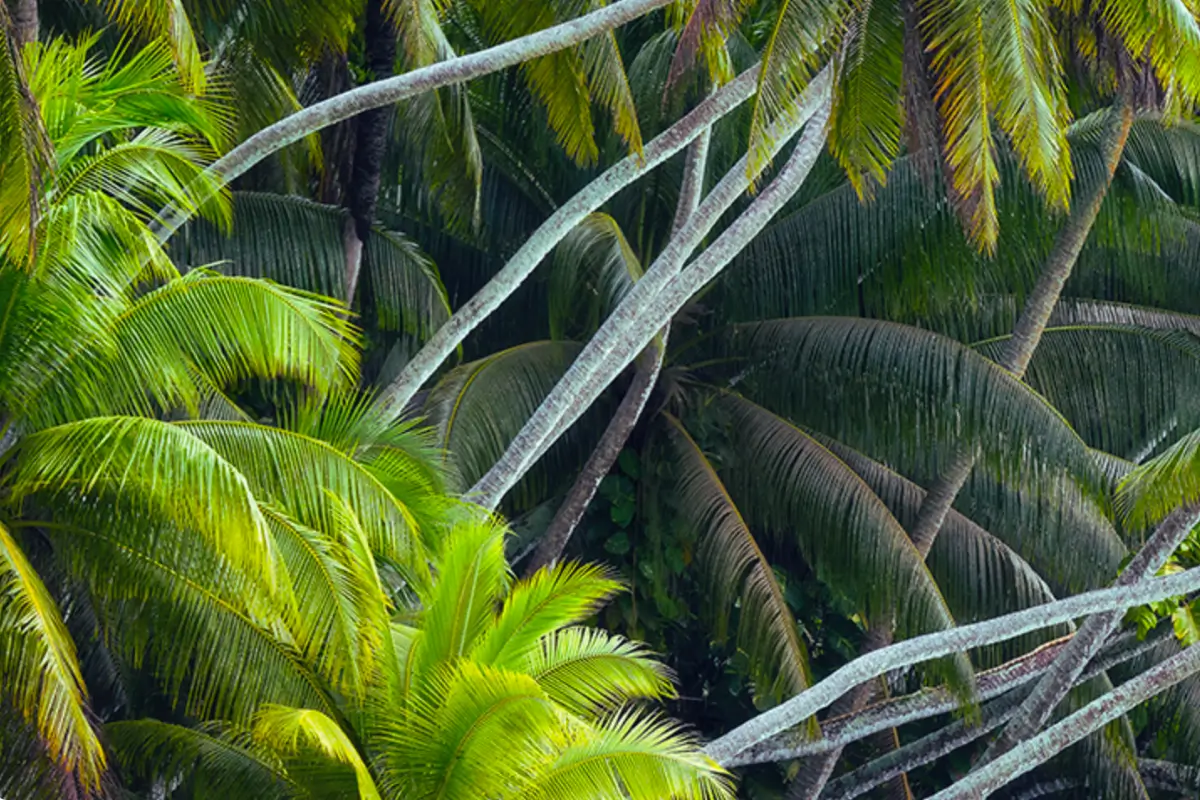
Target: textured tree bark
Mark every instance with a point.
(727, 749)
(443, 343)
(658, 296)
(295, 127)
(1062, 675)
(1181, 778)
(25, 22)
(1032, 323)
(554, 541)
(379, 42)
(1041, 748)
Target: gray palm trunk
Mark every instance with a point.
(25, 22)
(649, 365)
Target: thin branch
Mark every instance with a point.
(539, 244)
(944, 643)
(1039, 749)
(658, 296)
(295, 127)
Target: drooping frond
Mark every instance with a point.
(631, 755)
(167, 20)
(293, 730)
(703, 33)
(153, 465)
(537, 606)
(1162, 484)
(737, 574)
(1124, 389)
(592, 672)
(39, 671)
(201, 329)
(216, 759)
(902, 395)
(300, 473)
(593, 268)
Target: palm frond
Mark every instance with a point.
(21, 162)
(39, 670)
(1162, 484)
(593, 268)
(293, 729)
(704, 29)
(738, 574)
(167, 20)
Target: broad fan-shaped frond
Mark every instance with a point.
(39, 671)
(738, 574)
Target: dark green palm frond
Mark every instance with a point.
(979, 575)
(39, 670)
(552, 598)
(593, 269)
(179, 607)
(217, 759)
(868, 109)
(904, 395)
(166, 20)
(635, 755)
(1124, 389)
(198, 330)
(160, 466)
(472, 577)
(804, 31)
(300, 474)
(478, 407)
(785, 482)
(737, 574)
(406, 290)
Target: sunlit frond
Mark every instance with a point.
(168, 20)
(294, 729)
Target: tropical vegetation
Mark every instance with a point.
(641, 398)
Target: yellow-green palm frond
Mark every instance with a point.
(704, 26)
(295, 730)
(39, 670)
(738, 574)
(1164, 32)
(804, 33)
(591, 672)
(631, 755)
(218, 760)
(156, 466)
(473, 576)
(196, 332)
(166, 20)
(23, 158)
(1157, 487)
(537, 606)
(300, 473)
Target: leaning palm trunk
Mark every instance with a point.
(297, 126)
(443, 343)
(555, 539)
(658, 295)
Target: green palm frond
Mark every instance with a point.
(705, 26)
(167, 20)
(537, 606)
(592, 672)
(153, 464)
(1166, 33)
(593, 268)
(292, 730)
(406, 289)
(787, 483)
(217, 759)
(904, 395)
(24, 153)
(635, 756)
(1162, 484)
(197, 331)
(300, 474)
(738, 574)
(39, 670)
(1124, 389)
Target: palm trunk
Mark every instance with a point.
(1041, 748)
(370, 145)
(25, 22)
(443, 343)
(1065, 670)
(554, 541)
(295, 127)
(658, 296)
(1031, 324)
(730, 748)
(1180, 778)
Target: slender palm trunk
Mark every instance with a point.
(1031, 324)
(370, 144)
(649, 365)
(25, 22)
(732, 746)
(295, 127)
(1178, 778)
